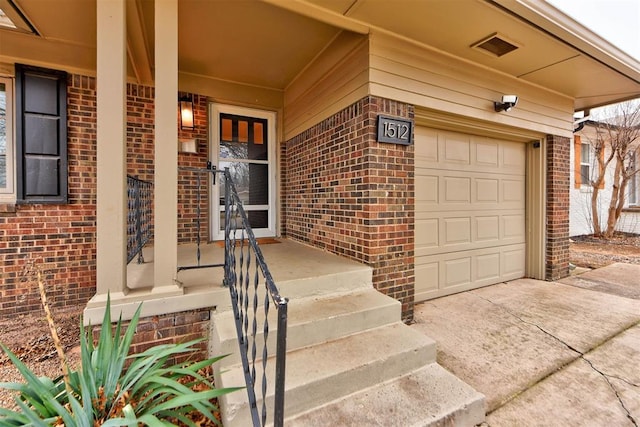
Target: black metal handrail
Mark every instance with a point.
(202, 178)
(139, 199)
(243, 279)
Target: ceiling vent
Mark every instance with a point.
(495, 45)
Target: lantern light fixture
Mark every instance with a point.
(186, 113)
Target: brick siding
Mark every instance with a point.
(62, 238)
(188, 181)
(344, 192)
(558, 187)
(173, 328)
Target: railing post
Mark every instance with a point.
(240, 291)
(281, 351)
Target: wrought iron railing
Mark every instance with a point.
(249, 280)
(201, 177)
(139, 198)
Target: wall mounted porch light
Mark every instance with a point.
(508, 102)
(186, 113)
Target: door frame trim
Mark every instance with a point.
(215, 109)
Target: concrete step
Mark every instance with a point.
(322, 373)
(353, 277)
(311, 321)
(429, 396)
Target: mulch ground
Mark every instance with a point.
(592, 252)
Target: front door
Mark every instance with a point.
(243, 140)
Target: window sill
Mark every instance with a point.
(586, 189)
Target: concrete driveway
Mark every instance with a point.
(546, 353)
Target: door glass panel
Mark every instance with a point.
(258, 133)
(243, 131)
(251, 181)
(243, 138)
(257, 219)
(240, 176)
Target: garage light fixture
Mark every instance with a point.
(507, 103)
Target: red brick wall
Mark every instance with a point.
(60, 237)
(140, 131)
(188, 181)
(140, 156)
(350, 195)
(171, 328)
(558, 187)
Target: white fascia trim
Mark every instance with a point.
(557, 23)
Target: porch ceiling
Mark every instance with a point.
(271, 41)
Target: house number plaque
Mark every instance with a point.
(395, 130)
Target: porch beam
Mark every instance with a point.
(321, 14)
(165, 260)
(111, 149)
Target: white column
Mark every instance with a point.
(111, 150)
(165, 256)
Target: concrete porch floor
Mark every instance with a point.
(287, 260)
(545, 353)
(294, 267)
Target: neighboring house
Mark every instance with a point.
(584, 170)
(458, 189)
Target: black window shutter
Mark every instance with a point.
(41, 135)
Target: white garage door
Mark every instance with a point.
(470, 212)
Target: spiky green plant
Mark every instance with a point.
(105, 392)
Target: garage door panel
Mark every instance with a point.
(429, 235)
(456, 272)
(443, 232)
(487, 190)
(427, 150)
(457, 149)
(513, 263)
(462, 271)
(470, 211)
(428, 275)
(488, 267)
(513, 227)
(456, 190)
(465, 270)
(487, 154)
(456, 231)
(429, 187)
(487, 228)
(513, 190)
(513, 157)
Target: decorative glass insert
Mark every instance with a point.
(243, 137)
